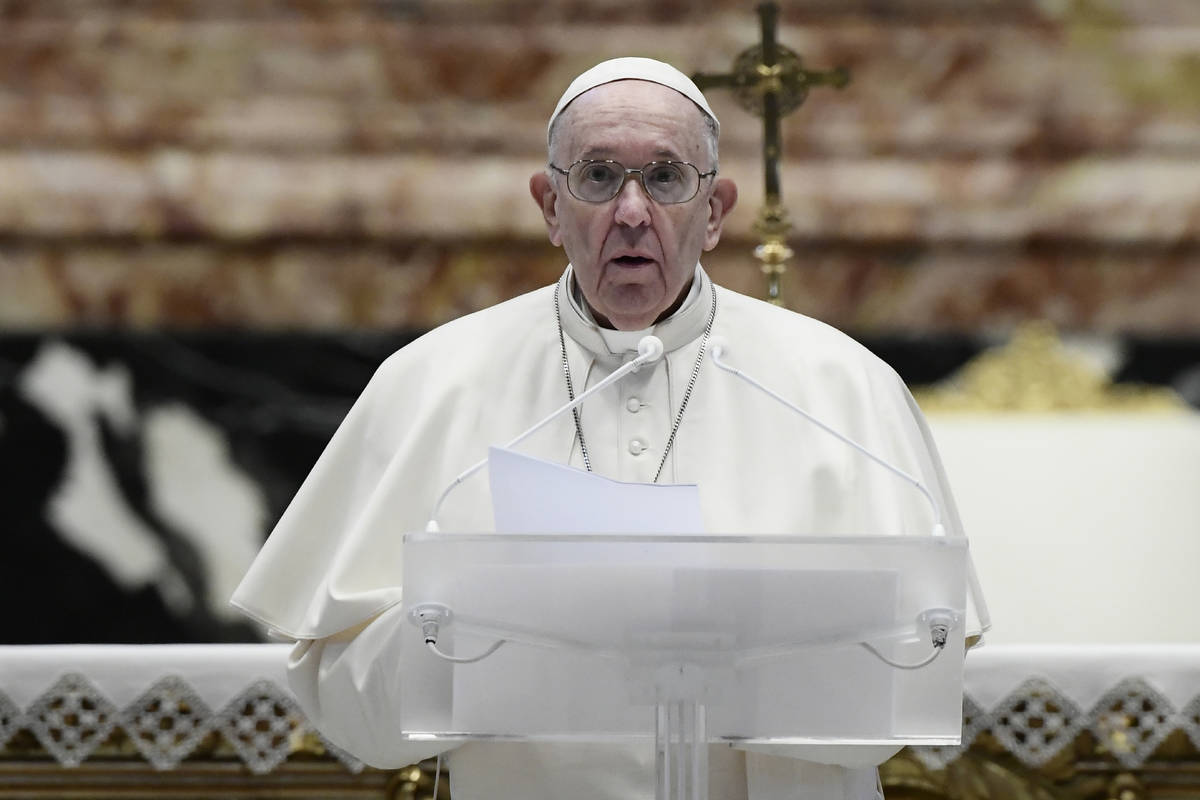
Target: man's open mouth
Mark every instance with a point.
(632, 261)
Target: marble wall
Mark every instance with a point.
(363, 163)
(140, 472)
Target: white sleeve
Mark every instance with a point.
(350, 690)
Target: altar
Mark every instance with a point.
(1040, 721)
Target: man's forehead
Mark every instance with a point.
(612, 123)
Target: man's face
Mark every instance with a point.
(633, 257)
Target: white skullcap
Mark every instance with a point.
(637, 69)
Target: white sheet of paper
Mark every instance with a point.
(530, 495)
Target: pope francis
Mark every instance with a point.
(632, 192)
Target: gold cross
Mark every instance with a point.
(769, 81)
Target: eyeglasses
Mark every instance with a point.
(667, 182)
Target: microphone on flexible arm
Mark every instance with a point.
(717, 348)
(650, 349)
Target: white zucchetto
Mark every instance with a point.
(635, 69)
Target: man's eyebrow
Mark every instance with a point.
(596, 153)
(601, 152)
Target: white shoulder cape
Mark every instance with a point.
(334, 560)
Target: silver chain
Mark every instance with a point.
(687, 394)
(562, 344)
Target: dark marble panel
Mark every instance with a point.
(142, 471)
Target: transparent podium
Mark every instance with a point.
(681, 641)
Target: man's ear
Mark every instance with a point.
(720, 203)
(542, 189)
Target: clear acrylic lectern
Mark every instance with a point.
(684, 640)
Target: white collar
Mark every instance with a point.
(685, 325)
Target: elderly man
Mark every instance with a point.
(632, 192)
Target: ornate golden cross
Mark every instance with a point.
(769, 81)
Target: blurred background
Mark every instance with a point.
(217, 217)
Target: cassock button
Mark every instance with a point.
(634, 405)
(637, 446)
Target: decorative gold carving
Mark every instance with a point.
(1035, 373)
(416, 783)
(972, 777)
(1126, 787)
(307, 742)
(117, 770)
(1082, 771)
(773, 226)
(121, 780)
(773, 254)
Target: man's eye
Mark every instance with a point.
(598, 173)
(665, 175)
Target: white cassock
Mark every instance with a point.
(329, 574)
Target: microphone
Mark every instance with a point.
(650, 349)
(717, 347)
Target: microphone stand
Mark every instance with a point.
(650, 349)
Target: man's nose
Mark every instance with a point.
(633, 204)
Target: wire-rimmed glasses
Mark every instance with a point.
(666, 182)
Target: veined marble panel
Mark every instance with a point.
(210, 163)
(250, 196)
(416, 284)
(1043, 86)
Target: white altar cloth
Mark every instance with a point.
(1033, 698)
(1082, 673)
(217, 673)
